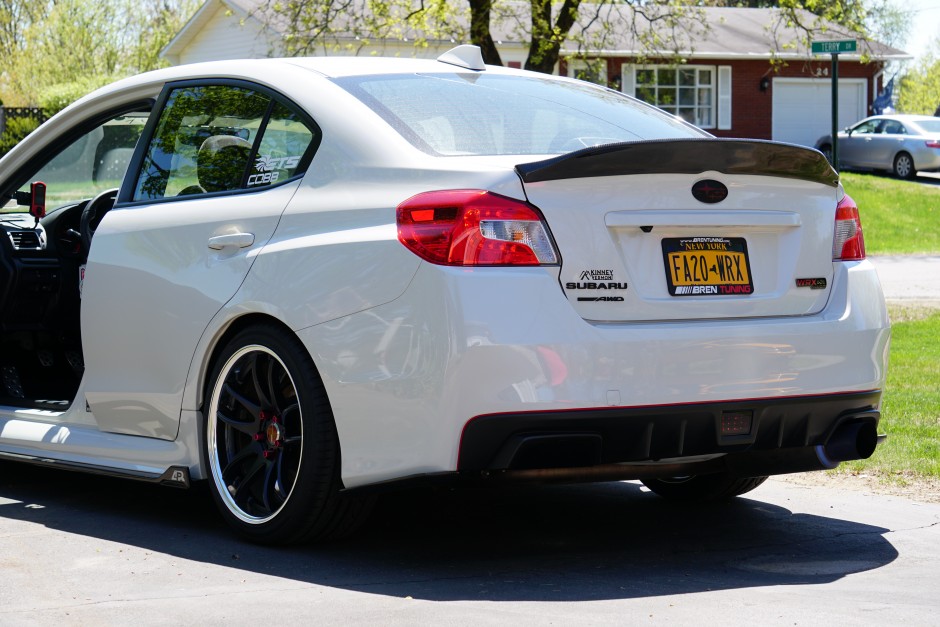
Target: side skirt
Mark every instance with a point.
(174, 476)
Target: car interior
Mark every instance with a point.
(42, 260)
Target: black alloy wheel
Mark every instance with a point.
(271, 443)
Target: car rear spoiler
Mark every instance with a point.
(685, 156)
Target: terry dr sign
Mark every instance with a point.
(834, 48)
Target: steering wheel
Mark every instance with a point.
(92, 214)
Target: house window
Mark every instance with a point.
(687, 91)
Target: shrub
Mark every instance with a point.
(55, 98)
(17, 128)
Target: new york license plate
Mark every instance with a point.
(707, 266)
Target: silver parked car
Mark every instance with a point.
(902, 144)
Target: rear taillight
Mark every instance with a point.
(848, 244)
(933, 143)
(471, 227)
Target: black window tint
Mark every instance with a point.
(283, 144)
(202, 142)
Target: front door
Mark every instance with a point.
(856, 148)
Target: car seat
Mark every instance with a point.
(220, 164)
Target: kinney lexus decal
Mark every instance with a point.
(597, 280)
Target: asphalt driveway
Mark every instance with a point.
(81, 550)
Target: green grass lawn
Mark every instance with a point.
(911, 402)
(898, 217)
(902, 217)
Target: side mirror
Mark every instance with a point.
(37, 200)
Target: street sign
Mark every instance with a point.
(834, 47)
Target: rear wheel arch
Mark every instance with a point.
(234, 327)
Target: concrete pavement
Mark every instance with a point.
(910, 278)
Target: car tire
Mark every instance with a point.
(826, 149)
(272, 451)
(904, 166)
(703, 488)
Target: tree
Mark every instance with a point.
(481, 12)
(888, 23)
(655, 25)
(71, 46)
(919, 90)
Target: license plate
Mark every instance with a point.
(707, 266)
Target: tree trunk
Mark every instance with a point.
(480, 31)
(547, 38)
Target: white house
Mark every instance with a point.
(744, 75)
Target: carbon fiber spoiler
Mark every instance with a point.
(685, 156)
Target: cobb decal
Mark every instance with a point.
(269, 169)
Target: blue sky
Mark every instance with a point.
(925, 25)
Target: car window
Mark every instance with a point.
(929, 126)
(220, 138)
(509, 115)
(868, 126)
(91, 163)
(892, 127)
(283, 144)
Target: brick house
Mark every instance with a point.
(745, 74)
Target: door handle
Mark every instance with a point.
(232, 240)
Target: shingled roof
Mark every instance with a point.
(707, 33)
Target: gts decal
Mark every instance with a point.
(267, 167)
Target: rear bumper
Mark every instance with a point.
(411, 382)
(569, 439)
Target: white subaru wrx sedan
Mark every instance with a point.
(306, 279)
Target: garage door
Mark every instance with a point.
(802, 107)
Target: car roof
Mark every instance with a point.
(260, 70)
(336, 67)
(904, 117)
(332, 67)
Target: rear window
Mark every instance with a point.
(930, 126)
(476, 114)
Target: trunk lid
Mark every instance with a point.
(690, 229)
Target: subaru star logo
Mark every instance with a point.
(709, 191)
